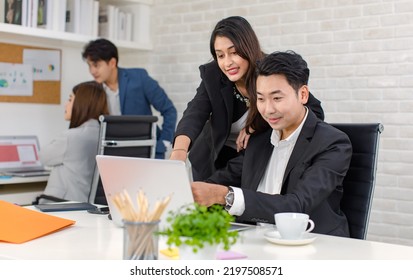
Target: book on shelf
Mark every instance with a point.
(129, 26)
(2, 15)
(34, 12)
(92, 18)
(13, 12)
(43, 13)
(95, 18)
(86, 17)
(103, 22)
(121, 26)
(115, 23)
(107, 22)
(125, 26)
(47, 14)
(31, 10)
(58, 16)
(27, 14)
(73, 16)
(25, 7)
(82, 17)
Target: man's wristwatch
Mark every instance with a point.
(229, 199)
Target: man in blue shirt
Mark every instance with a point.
(130, 91)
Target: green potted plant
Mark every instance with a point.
(199, 230)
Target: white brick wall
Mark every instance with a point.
(360, 54)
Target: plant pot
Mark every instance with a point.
(207, 253)
(194, 225)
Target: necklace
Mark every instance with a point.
(241, 98)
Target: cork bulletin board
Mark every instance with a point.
(46, 92)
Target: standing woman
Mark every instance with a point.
(212, 126)
(72, 154)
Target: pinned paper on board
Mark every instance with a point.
(45, 63)
(45, 68)
(16, 79)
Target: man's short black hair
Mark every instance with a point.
(289, 64)
(100, 49)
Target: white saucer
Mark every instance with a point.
(275, 237)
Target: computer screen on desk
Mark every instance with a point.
(157, 178)
(19, 156)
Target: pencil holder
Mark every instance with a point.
(140, 241)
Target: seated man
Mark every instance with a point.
(294, 162)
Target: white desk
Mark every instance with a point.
(22, 190)
(95, 237)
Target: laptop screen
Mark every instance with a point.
(19, 153)
(158, 178)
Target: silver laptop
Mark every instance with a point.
(157, 178)
(19, 156)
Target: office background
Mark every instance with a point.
(360, 54)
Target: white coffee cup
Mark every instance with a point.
(293, 225)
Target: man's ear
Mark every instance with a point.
(303, 94)
(112, 62)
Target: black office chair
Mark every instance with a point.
(129, 136)
(360, 180)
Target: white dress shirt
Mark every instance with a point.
(113, 100)
(271, 182)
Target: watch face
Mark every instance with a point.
(229, 199)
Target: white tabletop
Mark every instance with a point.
(96, 237)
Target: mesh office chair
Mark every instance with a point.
(129, 136)
(360, 180)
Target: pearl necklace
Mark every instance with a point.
(241, 98)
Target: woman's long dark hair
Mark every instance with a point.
(90, 102)
(239, 31)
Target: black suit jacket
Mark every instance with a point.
(312, 181)
(207, 119)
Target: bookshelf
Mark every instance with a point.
(141, 41)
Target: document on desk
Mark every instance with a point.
(19, 224)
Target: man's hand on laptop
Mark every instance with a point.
(208, 194)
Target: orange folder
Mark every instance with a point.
(19, 224)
